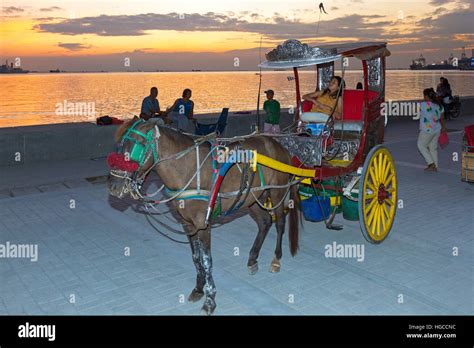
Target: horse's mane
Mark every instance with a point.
(123, 128)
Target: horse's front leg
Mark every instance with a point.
(198, 292)
(203, 244)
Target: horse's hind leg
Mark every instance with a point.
(264, 222)
(280, 227)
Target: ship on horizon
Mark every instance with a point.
(9, 69)
(452, 63)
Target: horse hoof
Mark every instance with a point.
(275, 268)
(195, 295)
(208, 309)
(253, 269)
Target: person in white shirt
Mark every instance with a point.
(431, 125)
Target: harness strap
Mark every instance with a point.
(245, 185)
(214, 161)
(191, 194)
(149, 147)
(215, 189)
(260, 174)
(133, 126)
(157, 136)
(198, 169)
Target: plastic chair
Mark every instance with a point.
(218, 127)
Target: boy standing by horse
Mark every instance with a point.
(272, 109)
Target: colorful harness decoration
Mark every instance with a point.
(133, 161)
(139, 151)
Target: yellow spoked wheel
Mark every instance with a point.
(377, 195)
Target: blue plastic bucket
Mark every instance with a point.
(315, 129)
(316, 211)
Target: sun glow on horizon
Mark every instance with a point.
(46, 28)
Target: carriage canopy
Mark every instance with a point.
(294, 54)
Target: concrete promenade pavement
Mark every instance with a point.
(425, 266)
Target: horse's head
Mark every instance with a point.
(136, 154)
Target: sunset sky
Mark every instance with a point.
(209, 34)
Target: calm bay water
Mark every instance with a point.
(33, 99)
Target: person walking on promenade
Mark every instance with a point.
(432, 123)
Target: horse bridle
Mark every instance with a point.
(139, 153)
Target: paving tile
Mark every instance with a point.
(24, 191)
(76, 183)
(52, 187)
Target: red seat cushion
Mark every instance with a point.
(115, 120)
(353, 103)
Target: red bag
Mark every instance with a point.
(443, 139)
(115, 120)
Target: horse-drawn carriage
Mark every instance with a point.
(344, 158)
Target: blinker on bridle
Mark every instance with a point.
(124, 164)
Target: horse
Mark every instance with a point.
(176, 171)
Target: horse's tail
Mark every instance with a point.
(294, 222)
